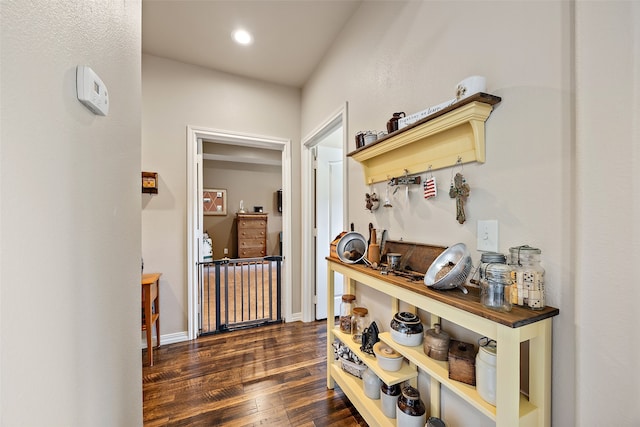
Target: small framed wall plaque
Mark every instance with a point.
(214, 201)
(150, 182)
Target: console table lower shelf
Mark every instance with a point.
(352, 387)
(438, 371)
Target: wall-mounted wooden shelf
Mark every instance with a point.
(150, 182)
(452, 135)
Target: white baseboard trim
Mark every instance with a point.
(295, 317)
(168, 338)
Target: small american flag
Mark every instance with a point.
(430, 188)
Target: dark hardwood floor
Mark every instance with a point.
(268, 376)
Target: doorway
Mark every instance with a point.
(324, 209)
(196, 138)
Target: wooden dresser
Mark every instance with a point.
(252, 235)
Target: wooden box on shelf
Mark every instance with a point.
(150, 182)
(462, 362)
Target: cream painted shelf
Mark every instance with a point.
(390, 378)
(352, 387)
(443, 139)
(508, 329)
(439, 371)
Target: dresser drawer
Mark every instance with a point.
(251, 252)
(252, 223)
(251, 243)
(252, 235)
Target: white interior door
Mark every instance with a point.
(329, 215)
(316, 244)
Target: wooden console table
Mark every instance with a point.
(151, 309)
(508, 329)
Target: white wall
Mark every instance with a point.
(174, 96)
(607, 238)
(70, 217)
(565, 189)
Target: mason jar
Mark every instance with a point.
(495, 286)
(346, 311)
(360, 321)
(528, 277)
(490, 258)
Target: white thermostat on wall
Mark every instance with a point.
(91, 91)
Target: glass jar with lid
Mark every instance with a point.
(360, 321)
(490, 258)
(346, 311)
(529, 277)
(495, 286)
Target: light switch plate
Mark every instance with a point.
(488, 235)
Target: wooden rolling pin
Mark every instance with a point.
(373, 252)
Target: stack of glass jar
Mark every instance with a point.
(528, 277)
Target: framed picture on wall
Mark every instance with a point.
(214, 202)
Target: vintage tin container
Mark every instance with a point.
(436, 343)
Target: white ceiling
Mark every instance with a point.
(290, 36)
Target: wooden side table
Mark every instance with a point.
(151, 309)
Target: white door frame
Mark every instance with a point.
(195, 136)
(339, 117)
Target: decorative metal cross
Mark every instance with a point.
(460, 191)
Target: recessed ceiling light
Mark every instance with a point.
(242, 37)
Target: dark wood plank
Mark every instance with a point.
(269, 376)
(415, 256)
